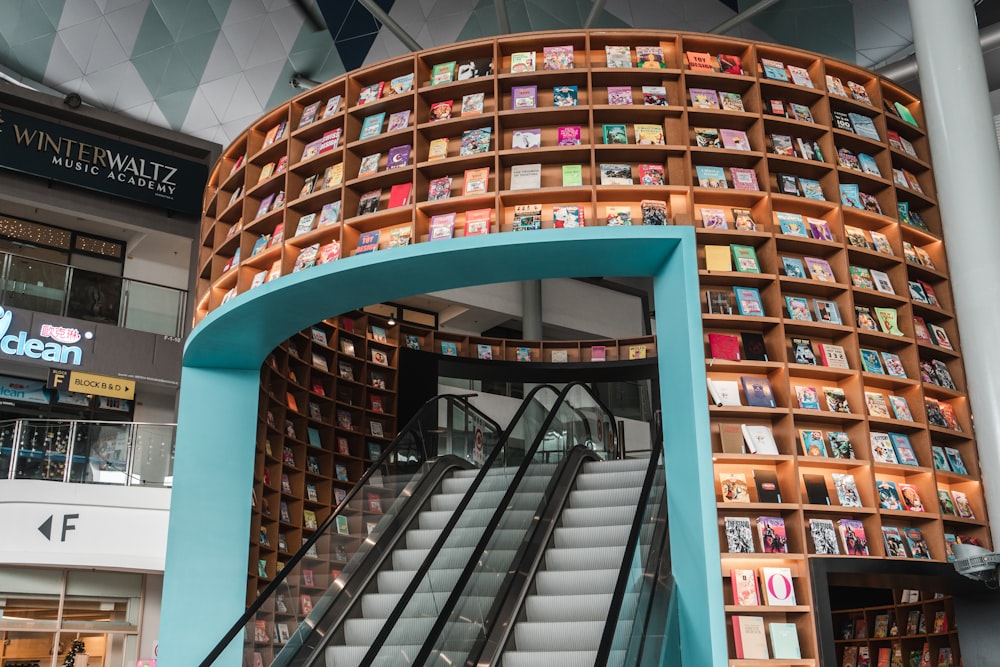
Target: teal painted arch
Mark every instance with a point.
(205, 578)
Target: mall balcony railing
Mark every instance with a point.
(59, 289)
(88, 452)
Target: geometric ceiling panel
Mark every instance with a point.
(210, 67)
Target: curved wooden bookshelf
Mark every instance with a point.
(830, 175)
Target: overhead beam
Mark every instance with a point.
(503, 20)
(382, 17)
(741, 17)
(595, 12)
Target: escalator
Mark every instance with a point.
(541, 556)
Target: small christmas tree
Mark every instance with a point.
(76, 648)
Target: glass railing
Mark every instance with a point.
(356, 535)
(449, 611)
(58, 289)
(88, 452)
(644, 586)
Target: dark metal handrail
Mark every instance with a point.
(281, 576)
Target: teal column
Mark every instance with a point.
(531, 310)
(687, 447)
(967, 171)
(205, 579)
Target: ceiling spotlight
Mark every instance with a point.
(302, 81)
(73, 101)
(391, 321)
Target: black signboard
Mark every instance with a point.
(61, 153)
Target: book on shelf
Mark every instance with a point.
(840, 445)
(476, 181)
(524, 97)
(853, 538)
(526, 138)
(700, 61)
(745, 258)
(522, 61)
(812, 441)
(442, 226)
(744, 178)
(882, 449)
(437, 149)
(618, 57)
(398, 156)
(306, 258)
(477, 222)
(476, 141)
(618, 216)
(475, 68)
(372, 126)
(824, 537)
(648, 134)
(649, 57)
(333, 176)
(731, 101)
(731, 436)
(718, 302)
(527, 217)
(654, 96)
(707, 137)
(816, 490)
(916, 543)
(739, 535)
(833, 355)
(472, 104)
(743, 220)
(568, 135)
(713, 218)
(744, 585)
(766, 482)
(443, 73)
(759, 439)
(654, 212)
(847, 489)
(704, 98)
(369, 201)
(568, 216)
(398, 120)
(369, 165)
(773, 539)
(439, 189)
(526, 176)
(836, 400)
(734, 139)
(800, 76)
(329, 214)
(615, 174)
(724, 392)
(910, 497)
(773, 69)
(730, 64)
(399, 194)
(614, 133)
(749, 637)
(368, 241)
(718, 258)
(484, 351)
(711, 177)
(748, 301)
(619, 95)
(572, 175)
(565, 96)
(757, 390)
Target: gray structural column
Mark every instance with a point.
(967, 172)
(531, 310)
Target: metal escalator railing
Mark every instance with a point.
(413, 629)
(645, 583)
(445, 424)
(320, 647)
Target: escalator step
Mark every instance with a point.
(583, 538)
(610, 480)
(436, 580)
(616, 465)
(567, 607)
(558, 636)
(412, 559)
(604, 497)
(591, 517)
(598, 557)
(556, 659)
(573, 583)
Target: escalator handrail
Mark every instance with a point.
(621, 585)
(349, 593)
(515, 587)
(280, 577)
(491, 527)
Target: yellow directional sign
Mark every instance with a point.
(101, 385)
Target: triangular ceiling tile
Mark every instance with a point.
(288, 21)
(62, 66)
(222, 62)
(242, 37)
(219, 92)
(153, 33)
(263, 78)
(200, 115)
(197, 51)
(171, 12)
(139, 111)
(156, 117)
(152, 65)
(282, 88)
(32, 57)
(133, 90)
(80, 40)
(53, 9)
(175, 106)
(76, 12)
(107, 82)
(107, 51)
(267, 48)
(198, 19)
(241, 10)
(125, 23)
(242, 102)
